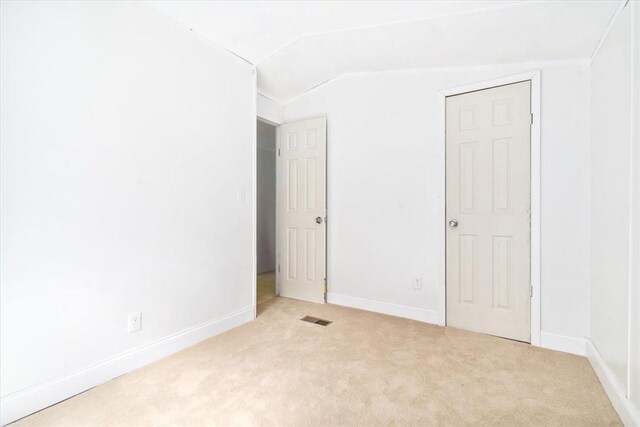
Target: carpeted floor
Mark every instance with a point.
(266, 287)
(363, 369)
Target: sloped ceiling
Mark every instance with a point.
(256, 29)
(299, 45)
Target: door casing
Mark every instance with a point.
(254, 190)
(534, 77)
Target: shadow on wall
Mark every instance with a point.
(266, 175)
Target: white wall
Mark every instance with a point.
(611, 151)
(386, 190)
(634, 307)
(383, 205)
(270, 110)
(266, 233)
(125, 140)
(615, 207)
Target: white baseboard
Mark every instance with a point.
(421, 314)
(27, 401)
(629, 415)
(573, 345)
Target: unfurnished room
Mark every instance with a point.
(320, 213)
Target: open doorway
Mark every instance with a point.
(266, 213)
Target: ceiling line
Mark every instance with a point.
(584, 62)
(169, 19)
(607, 30)
(269, 96)
(399, 22)
(266, 95)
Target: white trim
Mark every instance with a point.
(566, 344)
(442, 231)
(607, 30)
(254, 192)
(634, 225)
(534, 76)
(516, 66)
(623, 406)
(414, 313)
(536, 184)
(27, 401)
(278, 146)
(506, 67)
(269, 110)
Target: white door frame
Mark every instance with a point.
(534, 76)
(275, 153)
(254, 187)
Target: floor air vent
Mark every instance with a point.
(315, 320)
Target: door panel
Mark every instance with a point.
(301, 200)
(488, 194)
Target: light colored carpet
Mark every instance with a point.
(266, 287)
(363, 369)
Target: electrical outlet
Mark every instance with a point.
(417, 283)
(135, 322)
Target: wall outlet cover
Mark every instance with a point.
(135, 322)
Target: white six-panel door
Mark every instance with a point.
(301, 214)
(488, 140)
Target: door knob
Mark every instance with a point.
(453, 223)
(319, 220)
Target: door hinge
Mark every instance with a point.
(278, 152)
(531, 118)
(278, 268)
(531, 291)
(325, 290)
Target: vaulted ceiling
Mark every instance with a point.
(299, 45)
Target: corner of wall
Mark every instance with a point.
(629, 415)
(37, 397)
(269, 109)
(634, 256)
(624, 393)
(566, 344)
